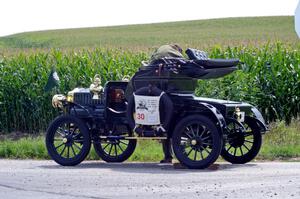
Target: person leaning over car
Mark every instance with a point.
(169, 50)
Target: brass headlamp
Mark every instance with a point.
(57, 100)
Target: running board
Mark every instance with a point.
(133, 138)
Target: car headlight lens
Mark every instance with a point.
(57, 100)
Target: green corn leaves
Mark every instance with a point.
(269, 79)
(25, 106)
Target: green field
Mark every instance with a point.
(268, 79)
(202, 34)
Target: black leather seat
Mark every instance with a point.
(201, 58)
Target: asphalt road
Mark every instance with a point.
(45, 179)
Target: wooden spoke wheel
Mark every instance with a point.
(68, 140)
(243, 141)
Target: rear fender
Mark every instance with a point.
(215, 115)
(199, 108)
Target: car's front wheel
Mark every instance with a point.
(67, 140)
(243, 141)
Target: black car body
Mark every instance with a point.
(200, 128)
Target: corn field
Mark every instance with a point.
(269, 78)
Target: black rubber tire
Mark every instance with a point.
(215, 146)
(254, 149)
(84, 135)
(100, 150)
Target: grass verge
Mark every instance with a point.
(281, 143)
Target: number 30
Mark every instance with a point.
(140, 116)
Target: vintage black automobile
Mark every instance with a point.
(201, 129)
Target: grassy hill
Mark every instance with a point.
(200, 33)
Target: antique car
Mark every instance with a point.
(157, 103)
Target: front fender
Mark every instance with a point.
(259, 120)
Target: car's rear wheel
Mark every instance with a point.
(243, 141)
(68, 141)
(196, 142)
